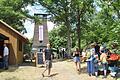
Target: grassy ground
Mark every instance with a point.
(62, 70)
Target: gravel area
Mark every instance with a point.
(62, 70)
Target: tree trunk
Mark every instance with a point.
(78, 30)
(69, 42)
(67, 24)
(68, 37)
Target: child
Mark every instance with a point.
(103, 59)
(95, 61)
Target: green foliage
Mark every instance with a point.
(57, 37)
(104, 25)
(28, 47)
(60, 11)
(13, 12)
(95, 20)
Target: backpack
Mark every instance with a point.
(114, 56)
(88, 55)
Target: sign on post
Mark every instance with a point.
(39, 58)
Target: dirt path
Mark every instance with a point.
(63, 70)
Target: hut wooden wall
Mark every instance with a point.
(15, 56)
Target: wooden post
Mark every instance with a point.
(36, 59)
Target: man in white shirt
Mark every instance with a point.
(5, 56)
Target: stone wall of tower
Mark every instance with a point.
(36, 36)
(45, 31)
(40, 44)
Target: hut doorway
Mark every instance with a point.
(1, 50)
(2, 38)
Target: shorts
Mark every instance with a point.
(48, 64)
(105, 65)
(76, 59)
(96, 67)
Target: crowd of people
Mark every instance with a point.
(100, 56)
(96, 57)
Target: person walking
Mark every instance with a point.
(76, 59)
(5, 56)
(47, 59)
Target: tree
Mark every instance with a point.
(87, 20)
(57, 37)
(28, 47)
(80, 8)
(59, 9)
(104, 24)
(14, 13)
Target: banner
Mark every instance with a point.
(40, 33)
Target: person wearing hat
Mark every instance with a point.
(90, 63)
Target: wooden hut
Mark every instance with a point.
(15, 42)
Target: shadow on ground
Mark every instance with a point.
(50, 77)
(60, 60)
(27, 63)
(11, 68)
(54, 74)
(84, 70)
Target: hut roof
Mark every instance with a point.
(15, 31)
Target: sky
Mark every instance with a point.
(29, 25)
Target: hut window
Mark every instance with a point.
(20, 45)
